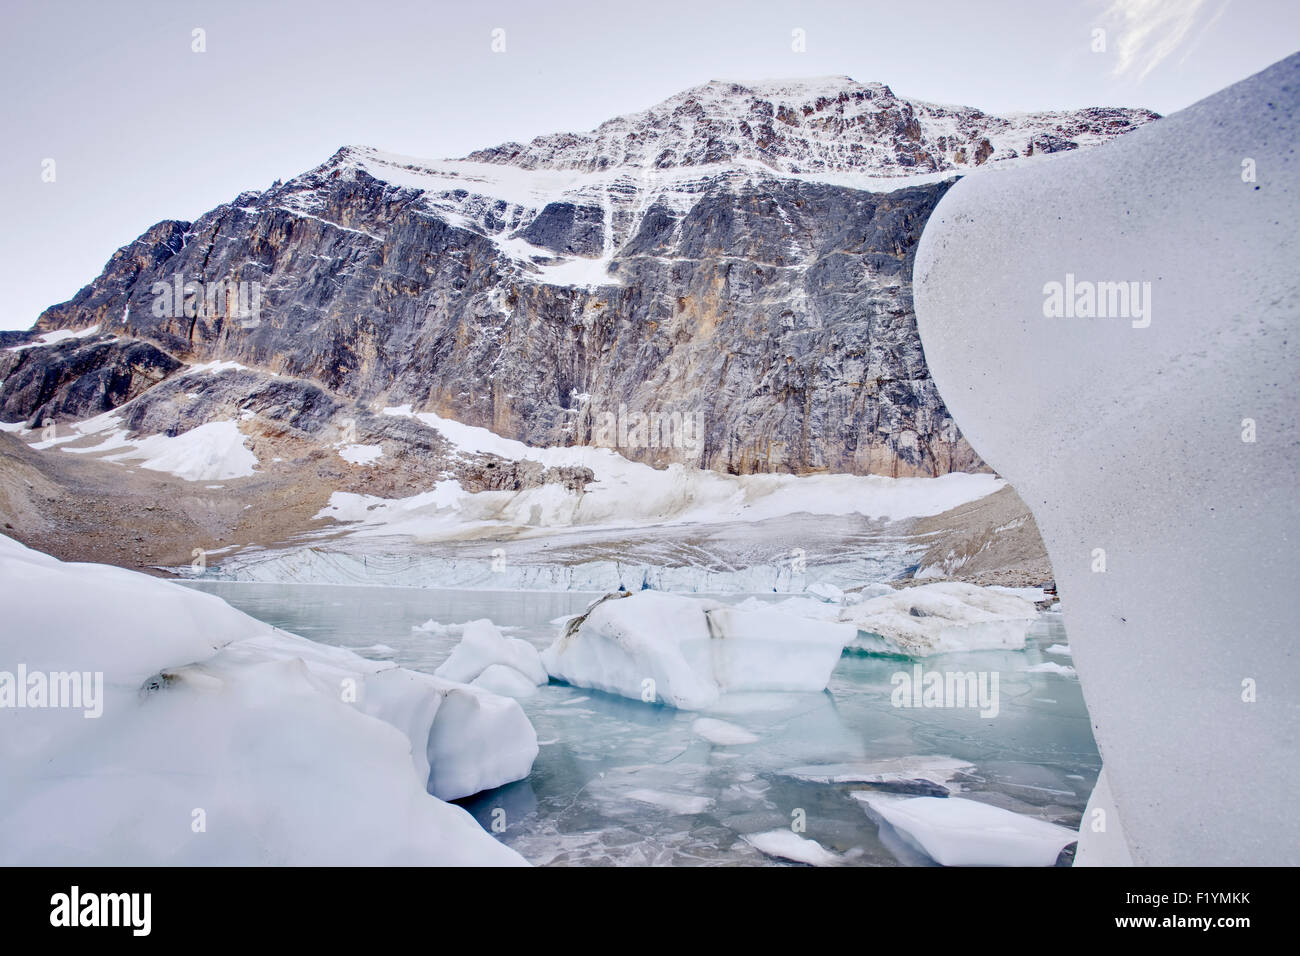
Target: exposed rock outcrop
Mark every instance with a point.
(739, 257)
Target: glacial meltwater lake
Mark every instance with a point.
(620, 782)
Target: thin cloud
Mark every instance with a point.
(1152, 30)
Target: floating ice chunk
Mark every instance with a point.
(678, 803)
(686, 651)
(771, 651)
(1060, 649)
(479, 740)
(788, 845)
(506, 681)
(865, 593)
(649, 643)
(796, 606)
(721, 732)
(957, 832)
(824, 591)
(1051, 667)
(938, 770)
(483, 645)
(440, 630)
(941, 618)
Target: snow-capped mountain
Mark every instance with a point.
(825, 124)
(736, 260)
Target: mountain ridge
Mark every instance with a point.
(537, 291)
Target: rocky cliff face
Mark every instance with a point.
(723, 280)
(818, 125)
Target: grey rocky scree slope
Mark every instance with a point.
(738, 253)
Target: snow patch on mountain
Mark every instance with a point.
(55, 337)
(629, 494)
(720, 135)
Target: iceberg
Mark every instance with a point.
(479, 740)
(1158, 452)
(686, 652)
(483, 648)
(1051, 667)
(825, 591)
(504, 680)
(795, 606)
(221, 740)
(954, 831)
(941, 618)
(723, 733)
(788, 845)
(937, 771)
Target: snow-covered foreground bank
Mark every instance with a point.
(1150, 422)
(199, 735)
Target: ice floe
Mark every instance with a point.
(681, 804)
(1051, 667)
(484, 655)
(954, 831)
(936, 770)
(721, 732)
(686, 652)
(788, 845)
(941, 618)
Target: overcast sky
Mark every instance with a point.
(142, 128)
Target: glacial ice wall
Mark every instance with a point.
(1159, 443)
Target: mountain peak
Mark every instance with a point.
(811, 125)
